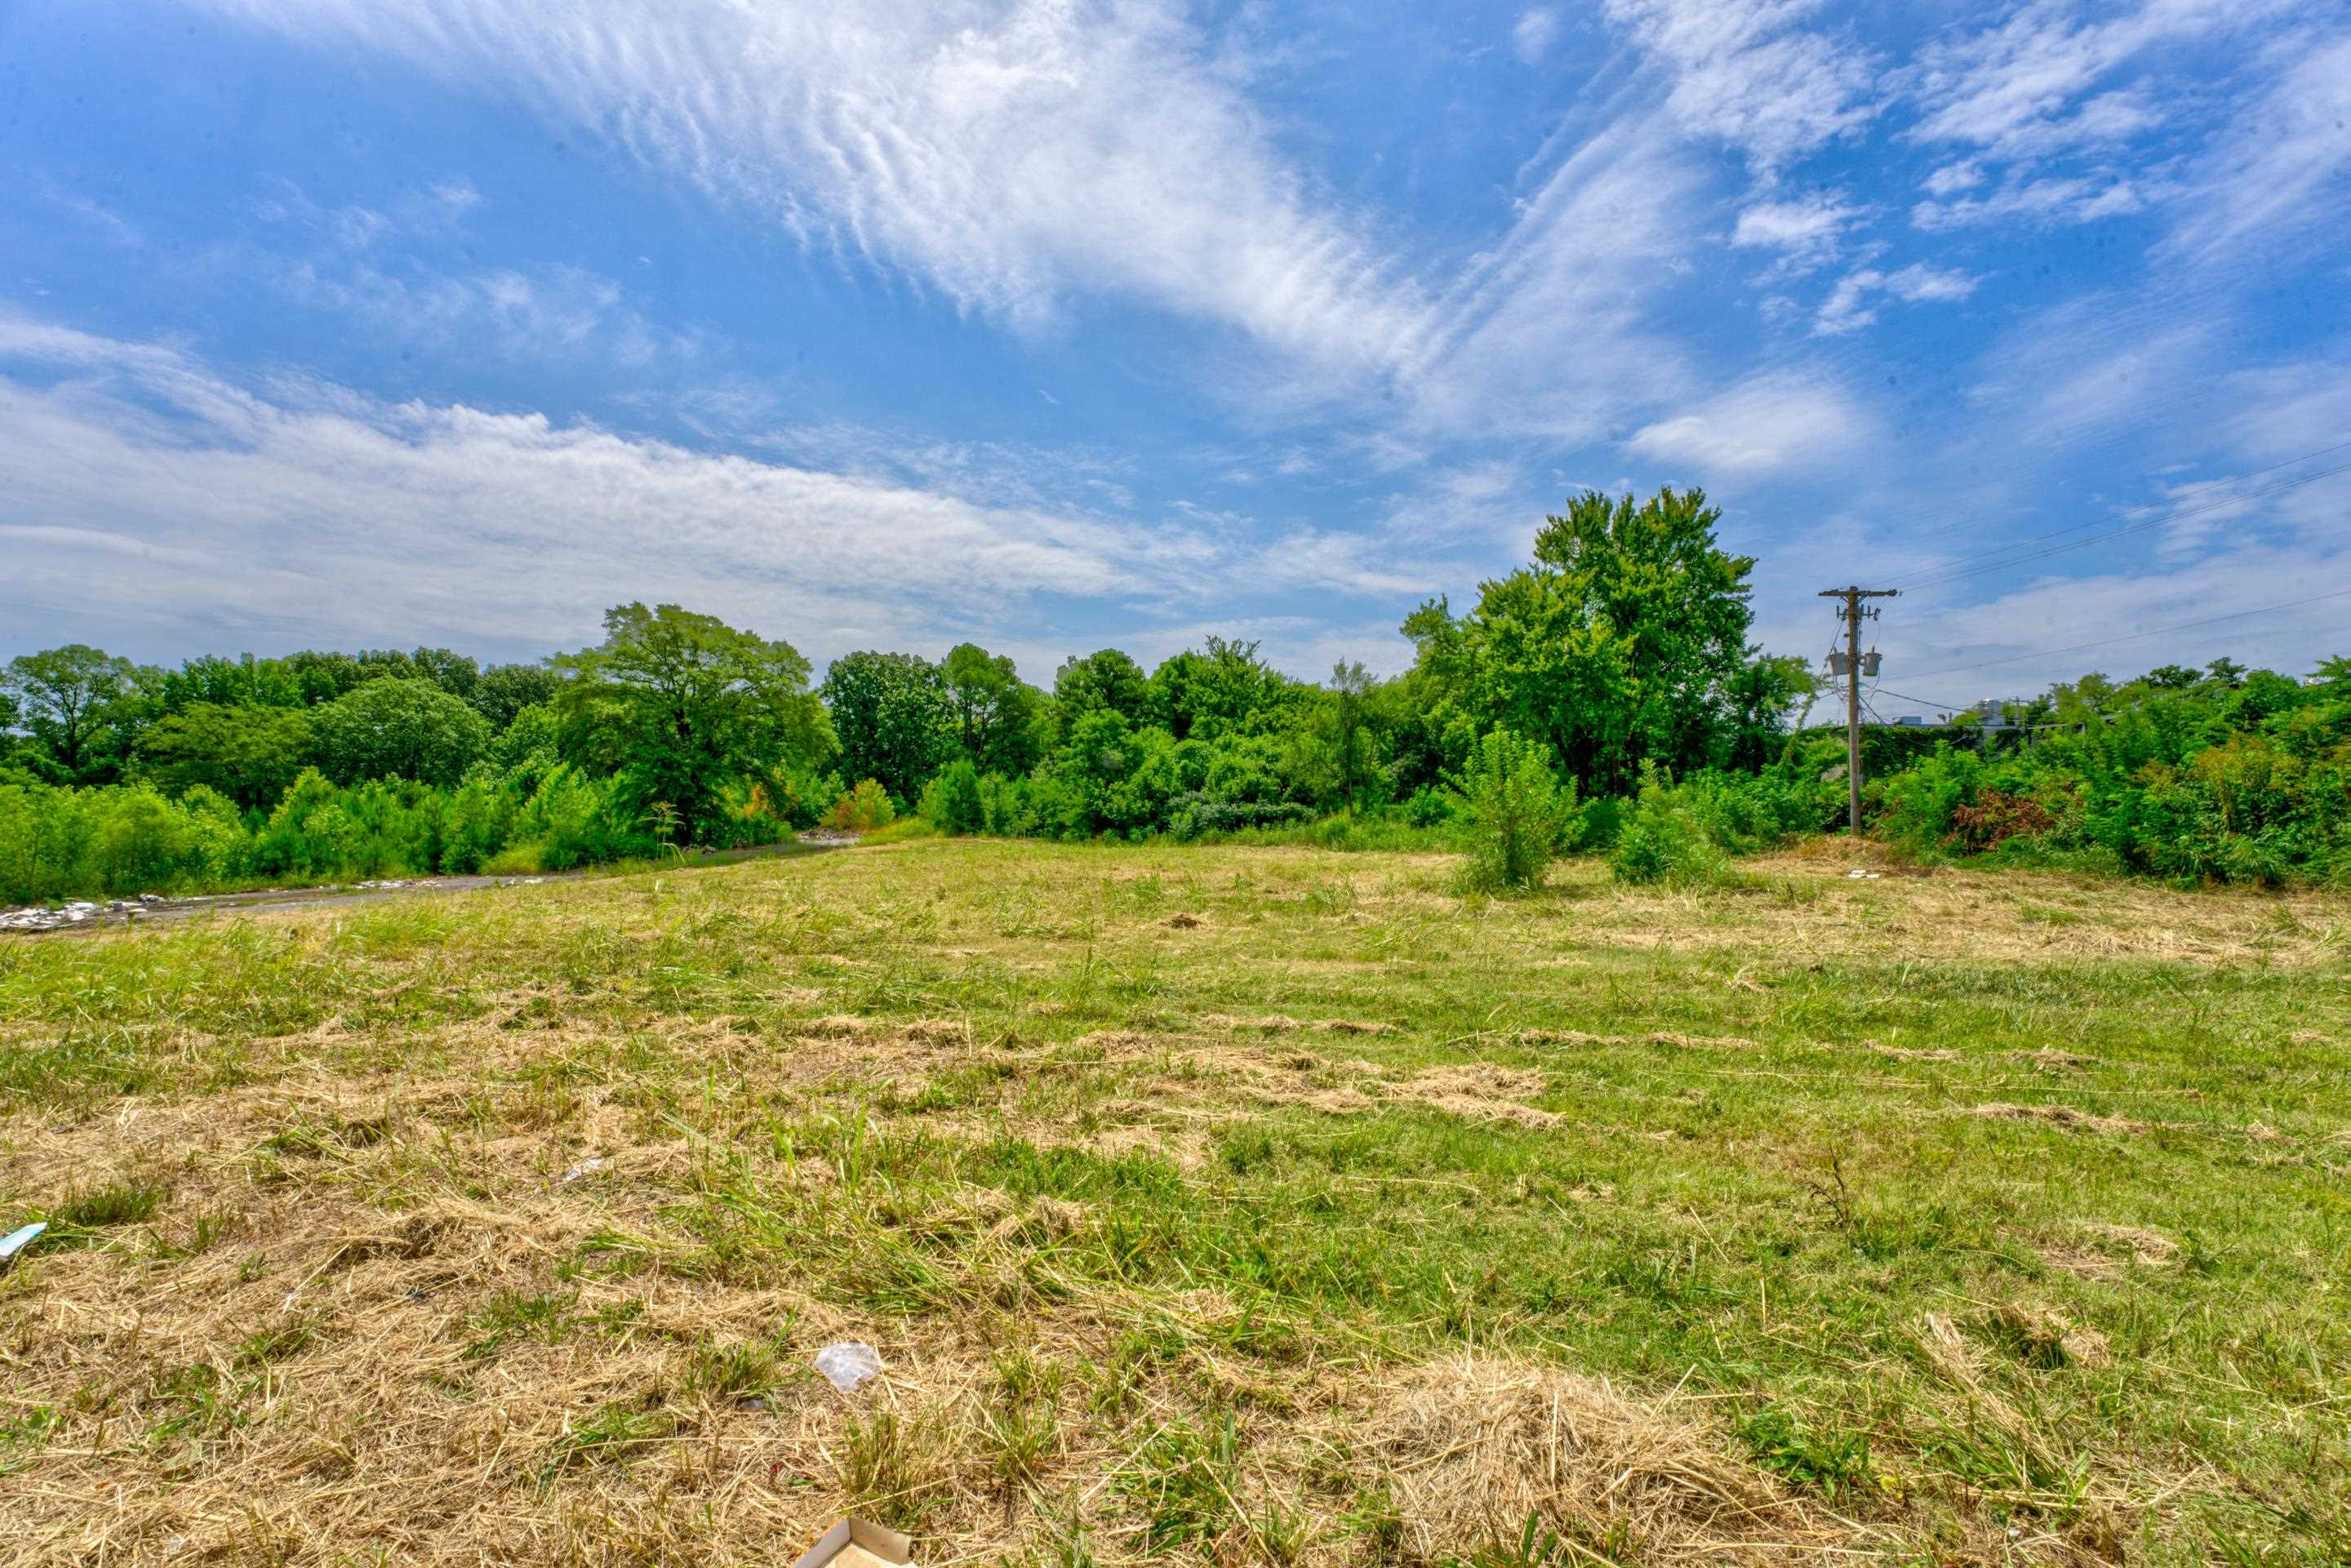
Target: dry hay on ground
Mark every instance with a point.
(387, 1345)
(1341, 1086)
(1655, 1037)
(1912, 1054)
(1974, 916)
(1475, 1446)
(2057, 1117)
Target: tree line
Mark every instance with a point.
(1604, 693)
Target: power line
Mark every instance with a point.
(1930, 702)
(2271, 489)
(2131, 636)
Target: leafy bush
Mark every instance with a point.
(1519, 816)
(1664, 838)
(58, 842)
(1199, 817)
(1428, 807)
(574, 820)
(952, 801)
(1006, 805)
(862, 809)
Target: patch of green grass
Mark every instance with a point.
(199, 1402)
(1728, 1143)
(510, 1315)
(1021, 1419)
(736, 1369)
(1832, 1462)
(615, 1434)
(1182, 1482)
(885, 1465)
(106, 1205)
(24, 1434)
(264, 1346)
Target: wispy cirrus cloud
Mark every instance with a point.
(397, 271)
(1754, 74)
(2283, 169)
(1558, 335)
(2037, 82)
(1007, 156)
(2037, 203)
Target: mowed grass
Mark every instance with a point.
(1207, 1204)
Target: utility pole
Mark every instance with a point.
(1853, 612)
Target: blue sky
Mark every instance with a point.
(1055, 325)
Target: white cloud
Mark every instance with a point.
(2282, 168)
(136, 481)
(2105, 375)
(1536, 30)
(547, 311)
(2055, 611)
(2018, 88)
(1745, 72)
(2284, 411)
(1847, 311)
(1770, 422)
(1806, 231)
(2045, 203)
(1008, 155)
(1953, 178)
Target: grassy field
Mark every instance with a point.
(1211, 1204)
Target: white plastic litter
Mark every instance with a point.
(16, 1241)
(1861, 876)
(584, 1168)
(849, 1364)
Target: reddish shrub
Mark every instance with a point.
(1994, 819)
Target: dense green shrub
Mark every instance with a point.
(1007, 804)
(58, 842)
(1664, 838)
(574, 820)
(952, 801)
(1196, 816)
(1519, 817)
(1430, 807)
(862, 809)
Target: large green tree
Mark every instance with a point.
(893, 718)
(1106, 679)
(249, 752)
(692, 704)
(1624, 641)
(66, 699)
(996, 714)
(399, 729)
(1222, 688)
(505, 690)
